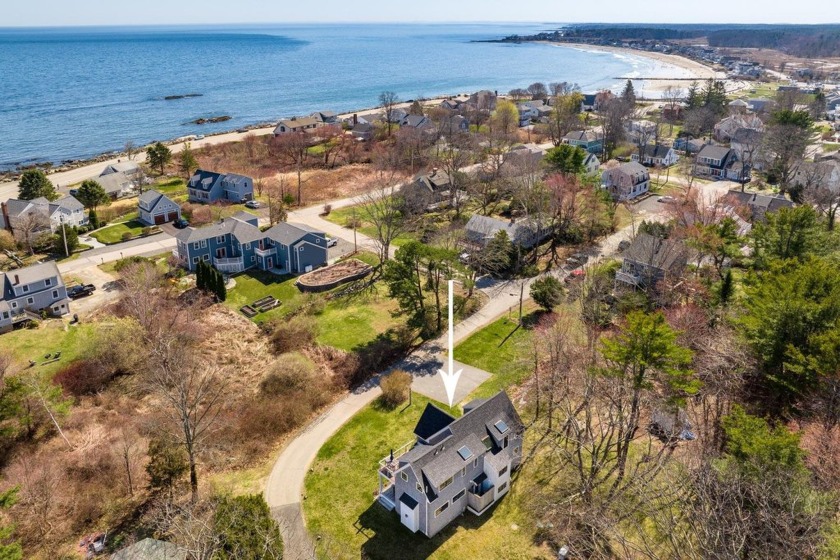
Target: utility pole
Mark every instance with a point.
(521, 297)
(64, 235)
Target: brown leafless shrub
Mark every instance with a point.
(293, 335)
(395, 387)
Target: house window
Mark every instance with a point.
(502, 488)
(441, 509)
(205, 258)
(404, 476)
(464, 471)
(487, 442)
(503, 471)
(195, 245)
(195, 260)
(25, 289)
(247, 246)
(459, 495)
(446, 482)
(419, 487)
(14, 305)
(48, 282)
(220, 239)
(55, 293)
(505, 444)
(516, 449)
(30, 301)
(253, 258)
(203, 243)
(475, 463)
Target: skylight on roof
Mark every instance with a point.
(465, 453)
(501, 426)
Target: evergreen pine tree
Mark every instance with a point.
(93, 219)
(629, 94)
(221, 293)
(726, 287)
(200, 276)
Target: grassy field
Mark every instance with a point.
(344, 323)
(341, 514)
(50, 337)
(502, 348)
(114, 233)
(344, 216)
(171, 187)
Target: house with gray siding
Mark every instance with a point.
(156, 208)
(453, 465)
(649, 260)
(26, 292)
(236, 244)
(480, 230)
(627, 181)
(40, 215)
(209, 186)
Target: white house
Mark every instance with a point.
(656, 155)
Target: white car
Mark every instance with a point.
(332, 241)
(254, 204)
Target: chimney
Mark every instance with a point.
(355, 119)
(17, 280)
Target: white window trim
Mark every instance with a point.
(30, 301)
(203, 243)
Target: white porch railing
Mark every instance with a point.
(229, 266)
(267, 252)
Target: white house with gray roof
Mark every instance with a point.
(236, 244)
(26, 292)
(627, 181)
(155, 208)
(453, 465)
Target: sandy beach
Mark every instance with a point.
(669, 70)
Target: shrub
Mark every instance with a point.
(296, 334)
(395, 387)
(124, 262)
(327, 209)
(291, 373)
(547, 292)
(127, 236)
(83, 377)
(148, 230)
(245, 529)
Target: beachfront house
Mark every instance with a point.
(656, 155)
(627, 181)
(297, 124)
(209, 186)
(35, 217)
(589, 140)
(155, 208)
(452, 465)
(236, 244)
(27, 292)
(128, 168)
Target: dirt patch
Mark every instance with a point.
(321, 185)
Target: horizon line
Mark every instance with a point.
(403, 23)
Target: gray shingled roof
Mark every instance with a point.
(285, 234)
(522, 232)
(204, 180)
(656, 150)
(657, 252)
(150, 549)
(69, 203)
(16, 207)
(714, 152)
(441, 460)
(747, 136)
(242, 231)
(28, 275)
(150, 197)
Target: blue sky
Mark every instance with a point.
(117, 12)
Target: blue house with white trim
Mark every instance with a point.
(236, 244)
(209, 186)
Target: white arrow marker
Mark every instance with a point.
(450, 380)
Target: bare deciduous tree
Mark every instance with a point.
(388, 100)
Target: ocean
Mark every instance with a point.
(74, 93)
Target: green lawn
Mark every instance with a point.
(502, 348)
(51, 336)
(344, 323)
(343, 216)
(114, 233)
(341, 514)
(171, 186)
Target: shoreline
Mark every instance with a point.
(69, 173)
(698, 71)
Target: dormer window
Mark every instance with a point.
(25, 288)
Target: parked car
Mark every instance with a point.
(332, 241)
(180, 223)
(665, 199)
(80, 290)
(200, 137)
(253, 204)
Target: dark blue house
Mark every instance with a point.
(236, 244)
(209, 186)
